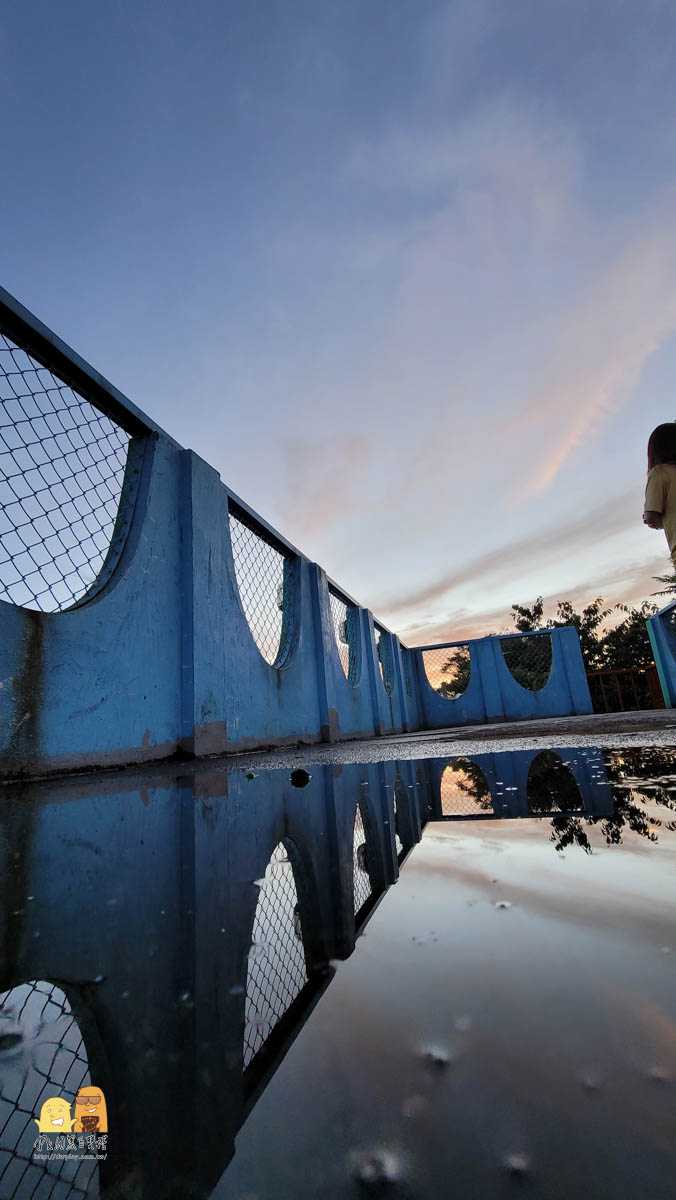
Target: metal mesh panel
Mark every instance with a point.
(62, 465)
(344, 617)
(551, 785)
(529, 659)
(408, 673)
(448, 670)
(384, 659)
(42, 1054)
(276, 971)
(361, 876)
(264, 580)
(464, 790)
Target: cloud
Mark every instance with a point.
(549, 544)
(322, 481)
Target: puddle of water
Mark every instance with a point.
(229, 953)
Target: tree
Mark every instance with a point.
(628, 644)
(670, 589)
(625, 645)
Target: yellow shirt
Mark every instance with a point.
(660, 496)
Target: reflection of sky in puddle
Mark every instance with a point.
(557, 1016)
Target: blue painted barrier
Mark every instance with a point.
(492, 692)
(662, 634)
(157, 654)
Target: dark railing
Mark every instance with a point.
(626, 689)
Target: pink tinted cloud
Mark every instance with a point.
(629, 585)
(604, 343)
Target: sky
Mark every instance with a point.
(402, 271)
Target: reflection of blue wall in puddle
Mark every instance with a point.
(507, 773)
(142, 904)
(662, 633)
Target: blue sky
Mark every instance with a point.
(404, 273)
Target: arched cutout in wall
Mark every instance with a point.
(64, 467)
(361, 873)
(42, 1055)
(448, 670)
(529, 659)
(276, 970)
(400, 799)
(551, 785)
(265, 576)
(464, 789)
(385, 663)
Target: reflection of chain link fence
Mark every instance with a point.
(464, 790)
(344, 617)
(551, 785)
(360, 866)
(264, 576)
(401, 797)
(276, 971)
(529, 659)
(62, 465)
(42, 1054)
(448, 670)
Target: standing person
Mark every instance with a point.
(660, 492)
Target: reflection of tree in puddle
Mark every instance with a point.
(464, 789)
(639, 778)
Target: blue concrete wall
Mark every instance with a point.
(158, 657)
(662, 633)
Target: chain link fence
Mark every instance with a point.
(264, 572)
(62, 467)
(42, 1055)
(408, 672)
(448, 670)
(385, 663)
(551, 786)
(529, 659)
(464, 790)
(344, 617)
(276, 970)
(360, 868)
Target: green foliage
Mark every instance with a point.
(670, 580)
